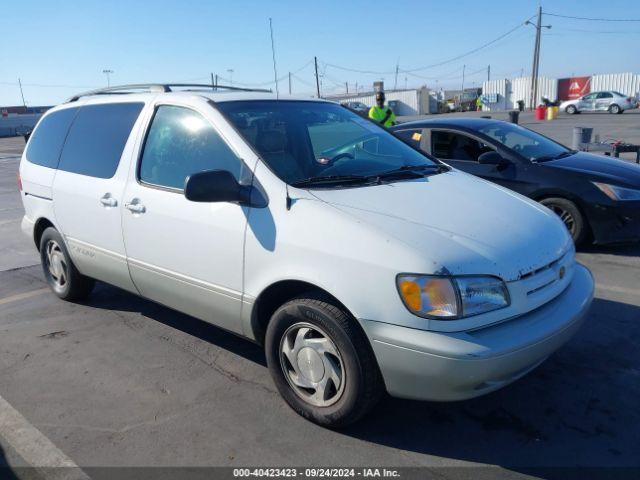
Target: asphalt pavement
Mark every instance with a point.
(121, 381)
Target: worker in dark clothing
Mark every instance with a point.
(381, 114)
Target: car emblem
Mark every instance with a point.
(562, 272)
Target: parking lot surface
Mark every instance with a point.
(121, 381)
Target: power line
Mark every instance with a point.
(444, 62)
(591, 19)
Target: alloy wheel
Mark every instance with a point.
(312, 364)
(565, 216)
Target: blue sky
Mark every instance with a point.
(59, 48)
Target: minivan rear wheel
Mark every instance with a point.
(570, 216)
(59, 271)
(321, 362)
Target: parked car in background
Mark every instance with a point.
(606, 101)
(361, 264)
(358, 107)
(597, 197)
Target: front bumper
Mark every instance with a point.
(615, 223)
(427, 365)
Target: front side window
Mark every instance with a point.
(457, 146)
(527, 143)
(591, 96)
(97, 138)
(47, 140)
(181, 142)
(303, 140)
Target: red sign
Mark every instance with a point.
(573, 87)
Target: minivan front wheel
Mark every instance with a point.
(59, 271)
(321, 362)
(570, 216)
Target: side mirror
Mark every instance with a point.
(214, 186)
(491, 158)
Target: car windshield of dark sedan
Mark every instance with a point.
(316, 143)
(527, 143)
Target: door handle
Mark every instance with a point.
(135, 206)
(108, 201)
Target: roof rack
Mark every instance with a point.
(159, 88)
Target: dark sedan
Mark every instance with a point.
(597, 197)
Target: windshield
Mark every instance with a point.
(303, 140)
(527, 143)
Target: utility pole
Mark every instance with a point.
(395, 82)
(273, 55)
(216, 84)
(22, 95)
(488, 73)
(536, 57)
(346, 86)
(289, 83)
(212, 82)
(315, 60)
(462, 90)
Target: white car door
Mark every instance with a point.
(587, 103)
(183, 254)
(88, 188)
(603, 100)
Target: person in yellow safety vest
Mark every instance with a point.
(381, 114)
(478, 104)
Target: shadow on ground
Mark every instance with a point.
(6, 472)
(631, 249)
(577, 409)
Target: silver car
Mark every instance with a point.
(608, 101)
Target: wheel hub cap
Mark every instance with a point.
(312, 364)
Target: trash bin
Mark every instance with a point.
(540, 112)
(550, 115)
(513, 116)
(581, 135)
(520, 105)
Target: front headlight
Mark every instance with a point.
(448, 298)
(617, 193)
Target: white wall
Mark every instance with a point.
(410, 100)
(625, 83)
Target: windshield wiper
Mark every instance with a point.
(329, 179)
(414, 171)
(545, 158)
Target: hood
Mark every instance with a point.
(459, 223)
(568, 102)
(620, 172)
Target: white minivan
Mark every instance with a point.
(361, 264)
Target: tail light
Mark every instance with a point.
(19, 182)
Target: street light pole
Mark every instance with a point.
(230, 72)
(107, 72)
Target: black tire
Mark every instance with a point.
(63, 277)
(571, 109)
(361, 383)
(570, 215)
(615, 109)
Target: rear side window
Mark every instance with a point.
(48, 138)
(97, 137)
(180, 143)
